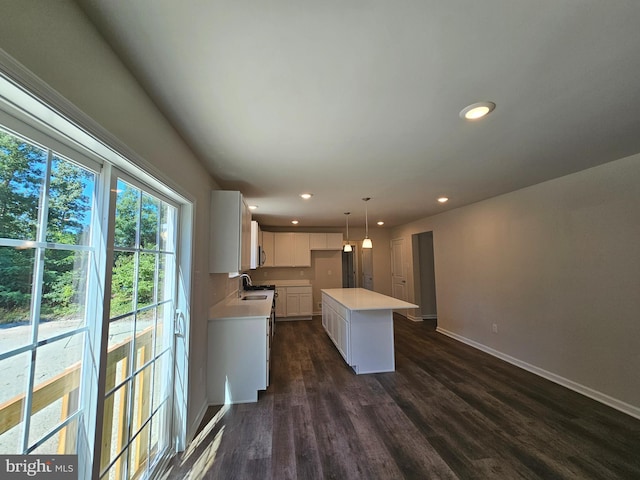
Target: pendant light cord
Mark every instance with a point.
(347, 215)
(366, 217)
(366, 221)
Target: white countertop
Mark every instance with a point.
(234, 307)
(285, 283)
(363, 299)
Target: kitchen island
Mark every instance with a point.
(360, 324)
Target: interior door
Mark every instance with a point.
(398, 279)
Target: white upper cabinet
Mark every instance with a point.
(291, 249)
(301, 250)
(325, 241)
(230, 233)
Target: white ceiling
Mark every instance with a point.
(352, 98)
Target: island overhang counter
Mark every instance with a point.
(360, 324)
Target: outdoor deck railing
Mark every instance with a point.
(65, 386)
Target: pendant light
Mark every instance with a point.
(366, 243)
(347, 247)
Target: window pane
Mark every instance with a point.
(117, 471)
(70, 202)
(114, 435)
(161, 380)
(144, 337)
(63, 442)
(141, 398)
(22, 170)
(64, 292)
(119, 350)
(122, 283)
(163, 332)
(14, 372)
(146, 279)
(166, 276)
(149, 222)
(139, 454)
(56, 384)
(127, 215)
(16, 275)
(160, 429)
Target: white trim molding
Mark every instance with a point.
(565, 382)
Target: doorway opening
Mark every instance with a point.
(424, 276)
(348, 270)
(367, 268)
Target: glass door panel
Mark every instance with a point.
(47, 208)
(139, 352)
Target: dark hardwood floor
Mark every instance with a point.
(449, 411)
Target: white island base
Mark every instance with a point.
(360, 324)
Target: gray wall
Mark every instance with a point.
(557, 267)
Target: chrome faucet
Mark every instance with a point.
(240, 277)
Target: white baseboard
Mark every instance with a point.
(420, 318)
(565, 382)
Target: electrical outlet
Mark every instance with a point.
(320, 305)
(494, 328)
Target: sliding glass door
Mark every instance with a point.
(88, 296)
(138, 389)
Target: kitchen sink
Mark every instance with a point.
(254, 297)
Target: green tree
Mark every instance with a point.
(22, 175)
(22, 166)
(127, 208)
(136, 225)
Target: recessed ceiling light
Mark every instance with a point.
(252, 207)
(443, 199)
(478, 110)
(306, 196)
(381, 223)
(295, 222)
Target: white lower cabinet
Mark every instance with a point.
(238, 359)
(335, 320)
(294, 302)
